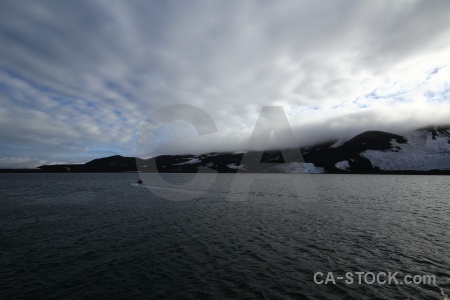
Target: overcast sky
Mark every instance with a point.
(79, 78)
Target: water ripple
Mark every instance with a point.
(72, 236)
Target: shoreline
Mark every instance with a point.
(381, 172)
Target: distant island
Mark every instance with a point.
(422, 151)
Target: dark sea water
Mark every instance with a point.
(95, 236)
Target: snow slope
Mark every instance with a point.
(423, 151)
(192, 161)
(237, 167)
(343, 165)
(299, 168)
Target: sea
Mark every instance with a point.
(224, 236)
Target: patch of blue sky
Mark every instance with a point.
(16, 75)
(446, 92)
(15, 96)
(27, 39)
(9, 91)
(116, 87)
(6, 91)
(63, 100)
(395, 97)
(337, 106)
(435, 70)
(71, 102)
(119, 114)
(429, 94)
(361, 102)
(81, 105)
(400, 98)
(443, 96)
(373, 95)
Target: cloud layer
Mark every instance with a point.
(77, 79)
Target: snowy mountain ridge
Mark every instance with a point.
(422, 151)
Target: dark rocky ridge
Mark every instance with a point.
(324, 156)
(327, 157)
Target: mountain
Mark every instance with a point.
(114, 163)
(425, 150)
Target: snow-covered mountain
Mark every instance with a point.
(420, 150)
(425, 150)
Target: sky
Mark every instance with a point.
(78, 79)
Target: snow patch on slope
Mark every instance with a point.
(421, 152)
(343, 165)
(192, 161)
(299, 168)
(235, 167)
(339, 143)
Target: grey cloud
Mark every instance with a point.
(67, 68)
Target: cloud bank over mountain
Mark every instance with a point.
(78, 79)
